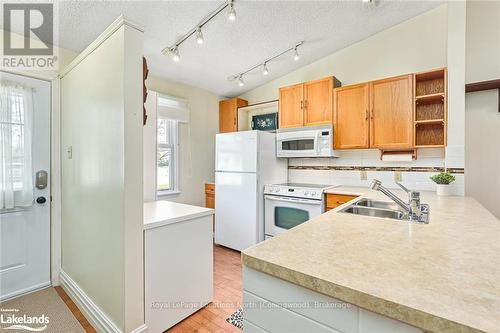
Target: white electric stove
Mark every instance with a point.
(290, 204)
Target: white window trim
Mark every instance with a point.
(175, 178)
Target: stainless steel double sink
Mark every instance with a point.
(373, 208)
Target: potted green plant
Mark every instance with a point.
(443, 181)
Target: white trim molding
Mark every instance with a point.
(97, 318)
(117, 24)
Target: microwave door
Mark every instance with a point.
(298, 146)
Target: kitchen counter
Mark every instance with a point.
(441, 277)
(160, 213)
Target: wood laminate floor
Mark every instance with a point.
(228, 297)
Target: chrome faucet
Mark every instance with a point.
(413, 208)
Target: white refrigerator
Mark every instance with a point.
(244, 163)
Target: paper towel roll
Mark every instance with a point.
(406, 157)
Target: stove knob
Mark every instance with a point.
(306, 193)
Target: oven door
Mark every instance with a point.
(283, 213)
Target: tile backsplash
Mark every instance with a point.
(347, 170)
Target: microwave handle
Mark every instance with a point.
(316, 142)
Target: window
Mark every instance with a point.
(167, 157)
(16, 120)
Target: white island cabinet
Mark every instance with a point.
(178, 259)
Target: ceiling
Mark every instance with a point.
(262, 29)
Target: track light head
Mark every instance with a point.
(265, 71)
(241, 83)
(232, 13)
(296, 56)
(176, 57)
(199, 36)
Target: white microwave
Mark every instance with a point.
(305, 142)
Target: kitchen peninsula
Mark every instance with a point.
(436, 277)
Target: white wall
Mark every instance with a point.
(196, 139)
(482, 126)
(415, 45)
(101, 103)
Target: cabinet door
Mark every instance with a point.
(351, 123)
(318, 102)
(291, 106)
(391, 102)
(228, 114)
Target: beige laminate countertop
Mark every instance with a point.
(441, 277)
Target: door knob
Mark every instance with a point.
(41, 200)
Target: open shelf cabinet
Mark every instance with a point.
(430, 108)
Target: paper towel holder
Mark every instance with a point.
(413, 152)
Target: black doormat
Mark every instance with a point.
(236, 319)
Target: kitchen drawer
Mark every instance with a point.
(248, 327)
(274, 318)
(335, 200)
(337, 315)
(210, 188)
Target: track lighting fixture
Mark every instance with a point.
(173, 51)
(232, 13)
(199, 36)
(296, 56)
(265, 71)
(175, 54)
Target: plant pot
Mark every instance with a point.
(443, 190)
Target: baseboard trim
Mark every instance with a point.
(141, 329)
(97, 318)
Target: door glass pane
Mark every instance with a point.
(304, 144)
(287, 218)
(163, 174)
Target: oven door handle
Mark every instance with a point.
(297, 200)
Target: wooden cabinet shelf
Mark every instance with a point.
(429, 121)
(430, 108)
(429, 98)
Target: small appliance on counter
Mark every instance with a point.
(244, 162)
(311, 141)
(288, 205)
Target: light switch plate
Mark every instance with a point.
(398, 176)
(362, 175)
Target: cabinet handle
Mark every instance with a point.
(366, 113)
(371, 116)
(302, 105)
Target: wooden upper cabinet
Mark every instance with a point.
(307, 104)
(351, 125)
(391, 110)
(291, 106)
(228, 114)
(318, 102)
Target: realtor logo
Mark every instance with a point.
(28, 36)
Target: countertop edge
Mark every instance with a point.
(411, 316)
(186, 217)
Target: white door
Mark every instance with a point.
(236, 220)
(236, 151)
(24, 154)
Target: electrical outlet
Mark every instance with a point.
(362, 175)
(398, 177)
